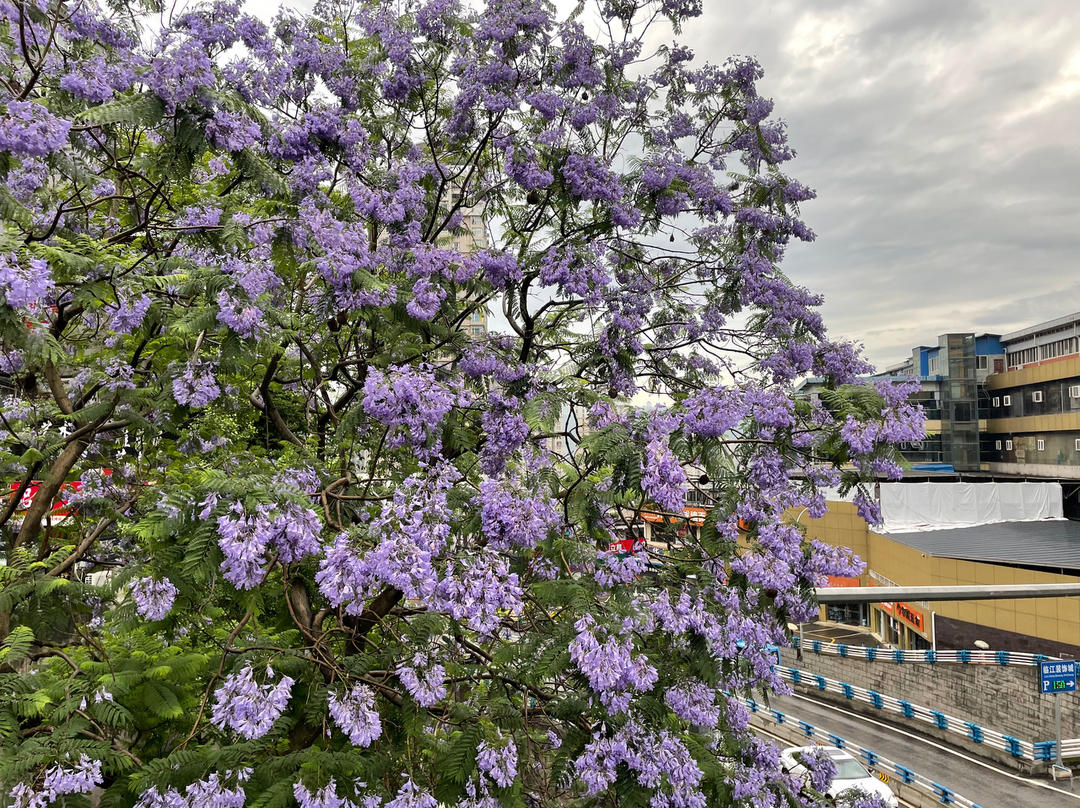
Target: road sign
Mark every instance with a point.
(1058, 676)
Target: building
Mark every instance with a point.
(1028, 543)
(1003, 405)
(471, 236)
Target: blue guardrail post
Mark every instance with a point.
(905, 774)
(947, 796)
(906, 708)
(1013, 746)
(1044, 750)
(940, 719)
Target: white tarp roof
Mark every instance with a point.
(908, 507)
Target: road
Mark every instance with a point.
(979, 781)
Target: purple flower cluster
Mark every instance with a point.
(658, 761)
(712, 412)
(411, 795)
(484, 588)
(30, 129)
(82, 778)
(614, 569)
(242, 317)
(153, 599)
(24, 286)
(609, 663)
(248, 708)
(291, 530)
(196, 386)
(212, 792)
(424, 679)
(409, 534)
(129, 314)
(505, 431)
(327, 797)
(694, 702)
(354, 712)
(410, 402)
(510, 517)
(498, 761)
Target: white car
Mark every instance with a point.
(850, 773)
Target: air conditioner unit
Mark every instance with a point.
(997, 444)
(996, 402)
(1008, 446)
(1036, 396)
(1074, 391)
(1040, 445)
(1076, 444)
(1006, 401)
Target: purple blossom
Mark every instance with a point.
(694, 702)
(242, 317)
(588, 178)
(424, 679)
(211, 792)
(231, 131)
(658, 761)
(24, 286)
(153, 599)
(512, 518)
(12, 361)
(613, 569)
(31, 129)
(611, 667)
(196, 386)
(246, 707)
(354, 712)
(505, 432)
(246, 538)
(129, 314)
(411, 795)
(82, 778)
(714, 411)
(663, 478)
(499, 761)
(484, 588)
(410, 401)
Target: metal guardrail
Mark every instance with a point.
(963, 657)
(992, 738)
(873, 760)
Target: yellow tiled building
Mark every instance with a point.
(1041, 625)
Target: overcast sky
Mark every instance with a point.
(943, 139)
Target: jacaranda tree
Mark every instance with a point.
(281, 528)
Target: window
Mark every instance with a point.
(997, 445)
(1040, 445)
(933, 366)
(996, 402)
(1076, 444)
(1006, 400)
(1074, 391)
(1008, 446)
(981, 362)
(1036, 396)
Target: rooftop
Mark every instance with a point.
(1032, 330)
(1053, 543)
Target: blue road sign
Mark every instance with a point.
(1058, 676)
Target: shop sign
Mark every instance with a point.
(695, 515)
(627, 546)
(650, 516)
(910, 615)
(841, 580)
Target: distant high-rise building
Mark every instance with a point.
(472, 236)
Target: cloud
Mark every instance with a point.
(941, 140)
